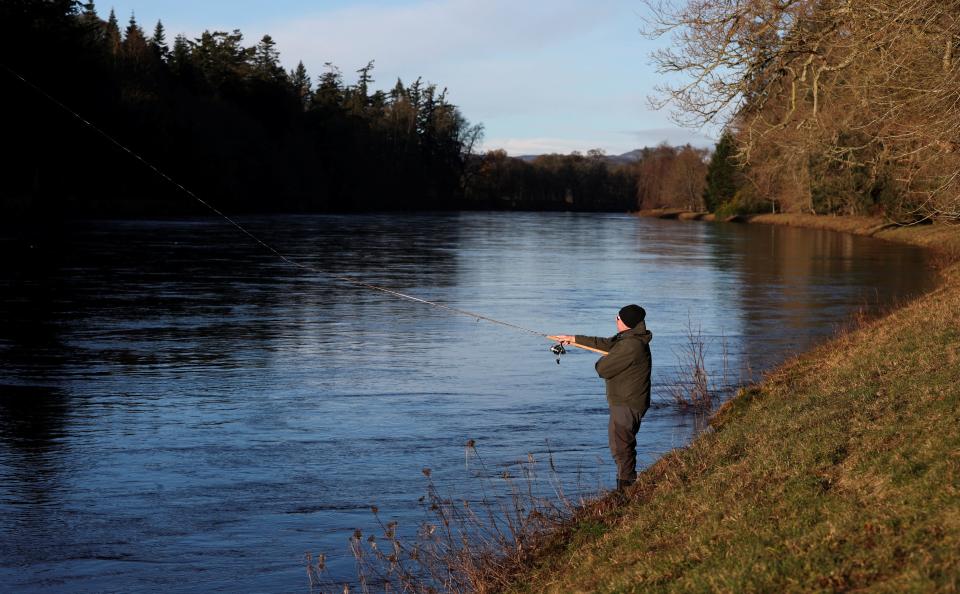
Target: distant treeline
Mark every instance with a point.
(550, 182)
(663, 176)
(227, 121)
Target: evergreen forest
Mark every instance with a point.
(223, 118)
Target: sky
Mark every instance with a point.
(542, 76)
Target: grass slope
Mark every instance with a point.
(841, 471)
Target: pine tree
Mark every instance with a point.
(426, 107)
(221, 58)
(414, 94)
(402, 117)
(180, 56)
(377, 104)
(134, 42)
(366, 78)
(158, 43)
(300, 81)
(398, 92)
(112, 34)
(266, 60)
(329, 91)
(91, 23)
(358, 96)
(722, 173)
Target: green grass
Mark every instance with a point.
(840, 472)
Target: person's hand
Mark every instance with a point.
(564, 338)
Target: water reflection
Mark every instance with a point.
(33, 412)
(32, 431)
(182, 411)
(797, 286)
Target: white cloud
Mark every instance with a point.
(408, 38)
(542, 76)
(674, 136)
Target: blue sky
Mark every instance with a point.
(542, 76)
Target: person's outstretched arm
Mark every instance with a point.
(595, 342)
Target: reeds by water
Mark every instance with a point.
(462, 545)
(695, 387)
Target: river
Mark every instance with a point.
(182, 411)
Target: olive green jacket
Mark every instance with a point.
(626, 367)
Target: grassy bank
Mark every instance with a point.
(840, 471)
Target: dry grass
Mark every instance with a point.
(477, 544)
(845, 224)
(692, 387)
(840, 472)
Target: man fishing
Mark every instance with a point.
(626, 371)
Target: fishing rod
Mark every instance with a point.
(557, 349)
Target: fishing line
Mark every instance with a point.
(251, 235)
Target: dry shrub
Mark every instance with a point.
(462, 545)
(693, 388)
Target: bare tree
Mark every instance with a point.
(688, 177)
(669, 176)
(868, 89)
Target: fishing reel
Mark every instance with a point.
(558, 350)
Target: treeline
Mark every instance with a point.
(672, 177)
(550, 182)
(224, 119)
(660, 177)
(221, 117)
(829, 107)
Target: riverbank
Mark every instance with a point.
(943, 238)
(839, 471)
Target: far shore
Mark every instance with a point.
(937, 236)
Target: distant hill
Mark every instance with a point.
(628, 157)
(624, 159)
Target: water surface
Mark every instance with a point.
(181, 411)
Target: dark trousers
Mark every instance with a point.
(622, 432)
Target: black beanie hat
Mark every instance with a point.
(631, 315)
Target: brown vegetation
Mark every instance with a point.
(837, 107)
(693, 388)
(476, 544)
(669, 176)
